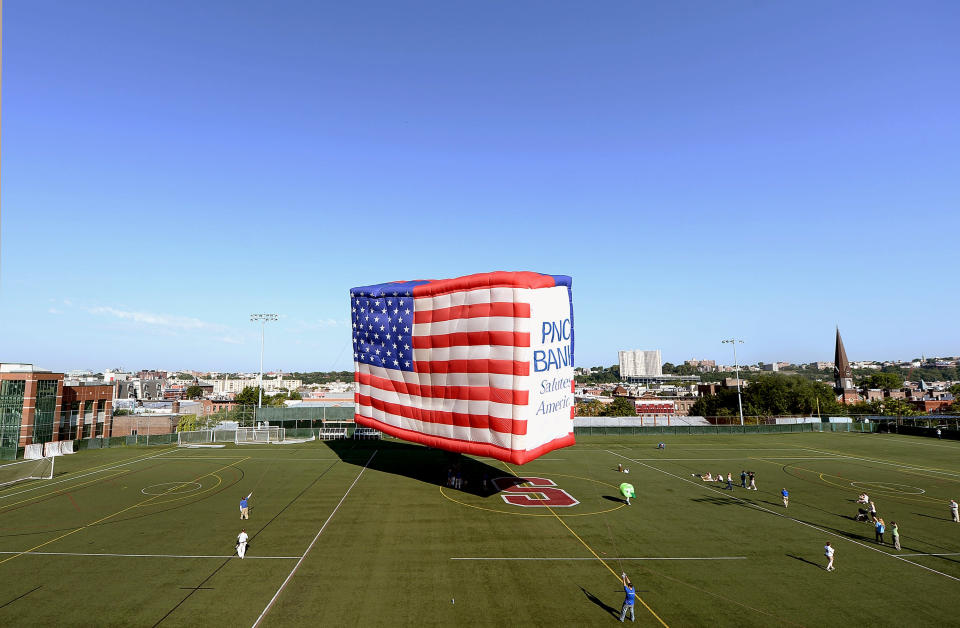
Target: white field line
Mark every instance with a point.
(312, 543)
(149, 555)
(803, 523)
(953, 554)
(635, 558)
(891, 464)
(77, 477)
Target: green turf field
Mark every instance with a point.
(364, 533)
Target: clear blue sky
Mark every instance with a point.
(703, 170)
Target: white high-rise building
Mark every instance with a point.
(638, 363)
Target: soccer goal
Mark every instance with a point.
(266, 434)
(39, 469)
(195, 437)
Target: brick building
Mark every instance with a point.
(37, 407)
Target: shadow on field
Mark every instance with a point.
(619, 500)
(804, 560)
(920, 514)
(593, 598)
(424, 464)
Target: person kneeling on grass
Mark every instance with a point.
(629, 597)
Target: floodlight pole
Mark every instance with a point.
(263, 319)
(736, 366)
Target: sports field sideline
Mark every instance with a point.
(362, 533)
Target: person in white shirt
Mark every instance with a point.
(242, 539)
(828, 552)
(953, 510)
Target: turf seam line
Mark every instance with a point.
(803, 523)
(312, 543)
(22, 595)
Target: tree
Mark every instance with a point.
(247, 397)
(295, 395)
(590, 408)
(187, 423)
(884, 381)
(955, 391)
(621, 406)
(898, 407)
(185, 376)
(193, 392)
(772, 395)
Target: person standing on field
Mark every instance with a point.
(244, 513)
(743, 479)
(786, 497)
(753, 481)
(879, 528)
(828, 552)
(953, 510)
(895, 531)
(629, 598)
(242, 539)
(729, 486)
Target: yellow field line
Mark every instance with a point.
(595, 555)
(63, 491)
(110, 516)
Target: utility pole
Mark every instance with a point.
(736, 366)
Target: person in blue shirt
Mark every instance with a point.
(630, 596)
(786, 497)
(243, 508)
(880, 529)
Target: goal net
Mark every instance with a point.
(40, 469)
(185, 439)
(267, 434)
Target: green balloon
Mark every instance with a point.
(627, 490)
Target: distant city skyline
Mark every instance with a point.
(707, 171)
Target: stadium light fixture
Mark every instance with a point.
(736, 366)
(263, 319)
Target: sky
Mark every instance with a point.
(703, 170)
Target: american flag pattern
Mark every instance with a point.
(451, 363)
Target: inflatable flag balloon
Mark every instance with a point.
(627, 490)
(481, 364)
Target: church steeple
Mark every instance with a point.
(842, 373)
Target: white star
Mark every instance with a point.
(406, 346)
(406, 311)
(377, 351)
(382, 328)
(395, 363)
(376, 335)
(388, 338)
(406, 363)
(406, 329)
(396, 311)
